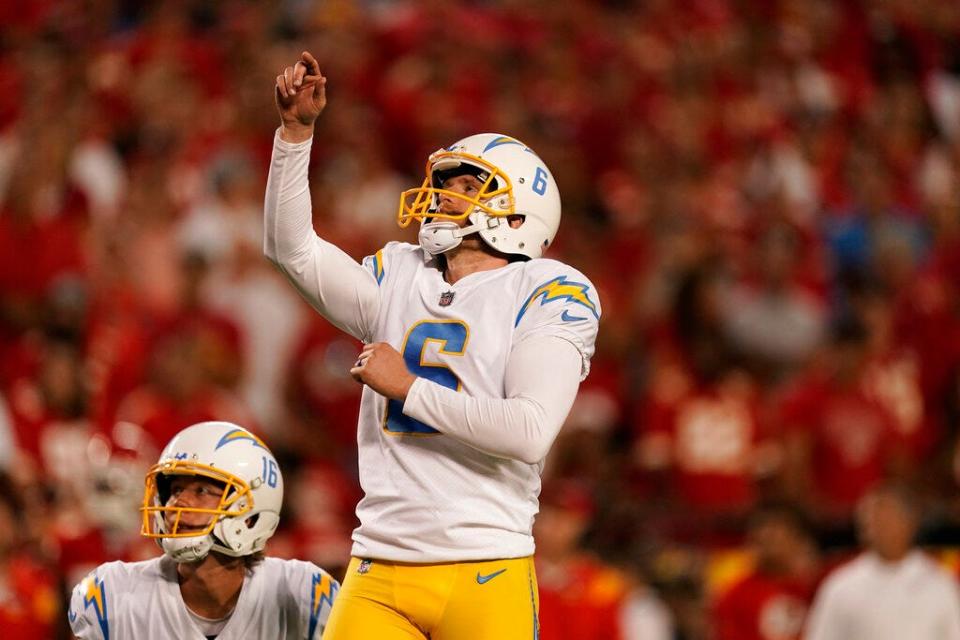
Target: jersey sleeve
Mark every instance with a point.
(90, 604)
(559, 301)
(314, 591)
(386, 264)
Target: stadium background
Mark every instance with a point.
(766, 194)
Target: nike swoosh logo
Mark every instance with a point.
(487, 578)
(569, 318)
(72, 615)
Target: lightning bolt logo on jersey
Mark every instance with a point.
(559, 290)
(323, 590)
(451, 502)
(95, 599)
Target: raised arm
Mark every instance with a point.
(333, 283)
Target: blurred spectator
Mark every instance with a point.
(42, 228)
(700, 433)
(580, 597)
(586, 446)
(226, 220)
(50, 404)
(893, 374)
(774, 321)
(643, 614)
(892, 590)
(269, 318)
(30, 605)
(178, 390)
(876, 234)
(839, 440)
(771, 601)
(321, 397)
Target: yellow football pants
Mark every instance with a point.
(489, 600)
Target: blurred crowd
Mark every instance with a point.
(766, 194)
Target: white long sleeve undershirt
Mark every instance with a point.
(542, 374)
(540, 384)
(341, 289)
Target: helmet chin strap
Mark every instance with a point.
(442, 236)
(189, 549)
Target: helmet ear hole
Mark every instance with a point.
(516, 220)
(251, 522)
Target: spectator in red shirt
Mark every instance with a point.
(580, 597)
(321, 397)
(179, 390)
(42, 229)
(894, 374)
(771, 602)
(701, 439)
(839, 440)
(29, 604)
(49, 403)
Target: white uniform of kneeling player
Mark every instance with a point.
(211, 502)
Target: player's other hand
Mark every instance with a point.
(300, 94)
(382, 368)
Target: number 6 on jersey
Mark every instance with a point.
(452, 337)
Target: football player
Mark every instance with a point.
(211, 503)
(474, 350)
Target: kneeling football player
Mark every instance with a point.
(211, 502)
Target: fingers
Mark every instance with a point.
(288, 77)
(358, 367)
(282, 85)
(299, 70)
(305, 73)
(311, 70)
(311, 64)
(356, 371)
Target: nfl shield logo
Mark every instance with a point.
(446, 298)
(364, 566)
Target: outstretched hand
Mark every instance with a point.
(301, 96)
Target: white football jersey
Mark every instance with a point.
(429, 497)
(280, 599)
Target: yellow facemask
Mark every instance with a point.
(154, 511)
(416, 204)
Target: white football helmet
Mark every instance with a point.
(515, 182)
(249, 510)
